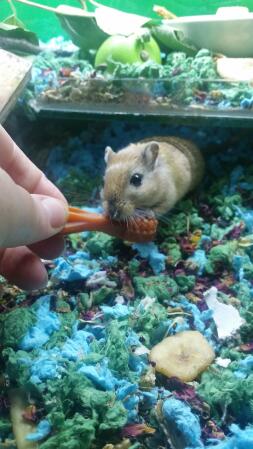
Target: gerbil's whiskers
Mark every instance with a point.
(133, 220)
(163, 219)
(129, 221)
(140, 213)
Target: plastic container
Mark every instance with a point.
(229, 31)
(150, 97)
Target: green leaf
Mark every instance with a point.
(15, 38)
(154, 23)
(13, 20)
(89, 30)
(113, 21)
(81, 26)
(172, 39)
(83, 31)
(16, 32)
(71, 11)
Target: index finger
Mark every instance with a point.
(23, 171)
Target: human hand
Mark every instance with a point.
(33, 211)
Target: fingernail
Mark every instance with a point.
(56, 211)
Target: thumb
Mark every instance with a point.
(26, 218)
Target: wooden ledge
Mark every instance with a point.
(14, 74)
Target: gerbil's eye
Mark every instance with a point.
(136, 179)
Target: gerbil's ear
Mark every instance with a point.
(108, 154)
(150, 154)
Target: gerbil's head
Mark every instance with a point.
(130, 182)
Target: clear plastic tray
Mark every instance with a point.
(150, 97)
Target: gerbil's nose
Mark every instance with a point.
(112, 209)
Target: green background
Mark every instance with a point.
(46, 25)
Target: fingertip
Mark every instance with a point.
(55, 210)
(24, 269)
(50, 248)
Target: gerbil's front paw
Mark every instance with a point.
(161, 210)
(144, 213)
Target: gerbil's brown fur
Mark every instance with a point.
(168, 168)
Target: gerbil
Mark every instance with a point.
(150, 176)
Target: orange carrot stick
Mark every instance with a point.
(140, 230)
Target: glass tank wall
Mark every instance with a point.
(131, 345)
(175, 68)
